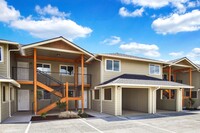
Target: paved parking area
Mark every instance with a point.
(159, 123)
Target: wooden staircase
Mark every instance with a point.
(50, 107)
(49, 89)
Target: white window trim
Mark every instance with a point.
(62, 74)
(111, 94)
(45, 64)
(154, 65)
(2, 54)
(112, 65)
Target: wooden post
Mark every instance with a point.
(169, 78)
(35, 79)
(174, 76)
(66, 94)
(82, 82)
(190, 80)
(76, 83)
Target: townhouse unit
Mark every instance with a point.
(36, 76)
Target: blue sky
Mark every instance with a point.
(158, 29)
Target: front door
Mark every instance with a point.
(85, 101)
(23, 100)
(22, 71)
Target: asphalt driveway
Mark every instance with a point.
(165, 123)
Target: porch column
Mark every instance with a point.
(76, 83)
(179, 100)
(154, 97)
(66, 95)
(169, 78)
(150, 100)
(118, 100)
(35, 79)
(190, 80)
(101, 91)
(82, 82)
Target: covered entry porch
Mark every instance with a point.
(138, 94)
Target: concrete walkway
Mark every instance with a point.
(19, 117)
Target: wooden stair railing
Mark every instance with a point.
(53, 105)
(45, 87)
(50, 107)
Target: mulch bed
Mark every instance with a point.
(52, 117)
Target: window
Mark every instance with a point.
(96, 94)
(194, 94)
(4, 94)
(113, 65)
(154, 69)
(107, 94)
(1, 54)
(44, 67)
(67, 70)
(43, 94)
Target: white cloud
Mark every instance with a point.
(180, 5)
(113, 40)
(125, 13)
(51, 24)
(177, 23)
(48, 28)
(7, 12)
(176, 54)
(150, 50)
(50, 10)
(195, 53)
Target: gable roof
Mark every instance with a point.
(141, 81)
(54, 40)
(176, 61)
(131, 57)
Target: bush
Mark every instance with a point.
(44, 115)
(61, 105)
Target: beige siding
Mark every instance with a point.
(109, 106)
(0, 101)
(3, 65)
(5, 105)
(165, 104)
(96, 105)
(129, 67)
(135, 99)
(94, 70)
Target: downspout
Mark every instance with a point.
(8, 62)
(153, 99)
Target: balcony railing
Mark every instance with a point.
(26, 74)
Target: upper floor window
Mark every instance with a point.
(1, 54)
(66, 69)
(44, 67)
(113, 65)
(154, 69)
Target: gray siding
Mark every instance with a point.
(135, 99)
(165, 104)
(3, 65)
